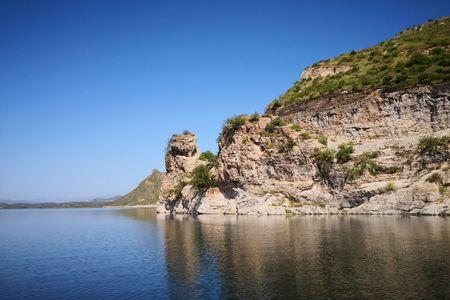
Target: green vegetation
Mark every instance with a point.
(147, 192)
(306, 203)
(290, 143)
(305, 135)
(345, 152)
(210, 157)
(277, 122)
(324, 160)
(232, 125)
(435, 178)
(430, 145)
(296, 127)
(254, 117)
(176, 191)
(418, 55)
(322, 139)
(201, 178)
(387, 188)
(364, 162)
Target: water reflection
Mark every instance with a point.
(146, 214)
(304, 257)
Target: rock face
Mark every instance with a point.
(375, 114)
(298, 166)
(323, 71)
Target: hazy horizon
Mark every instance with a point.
(91, 92)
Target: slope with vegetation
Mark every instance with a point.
(418, 55)
(146, 193)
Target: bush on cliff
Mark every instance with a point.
(277, 122)
(232, 125)
(201, 178)
(209, 157)
(254, 118)
(389, 187)
(324, 160)
(176, 191)
(322, 139)
(345, 152)
(364, 162)
(430, 145)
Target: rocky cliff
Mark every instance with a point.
(372, 154)
(379, 148)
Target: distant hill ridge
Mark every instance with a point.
(146, 193)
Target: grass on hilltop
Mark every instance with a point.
(418, 55)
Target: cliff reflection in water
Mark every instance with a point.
(317, 256)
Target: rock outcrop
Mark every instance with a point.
(314, 72)
(361, 153)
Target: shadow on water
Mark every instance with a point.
(146, 214)
(307, 257)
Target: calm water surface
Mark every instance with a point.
(136, 254)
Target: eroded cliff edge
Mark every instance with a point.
(370, 152)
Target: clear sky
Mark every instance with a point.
(91, 91)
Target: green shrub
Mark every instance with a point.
(290, 143)
(301, 161)
(274, 124)
(275, 104)
(296, 127)
(210, 157)
(232, 125)
(431, 144)
(355, 172)
(387, 188)
(176, 191)
(417, 58)
(201, 178)
(305, 135)
(364, 162)
(391, 169)
(435, 178)
(345, 152)
(254, 117)
(387, 79)
(424, 78)
(437, 51)
(322, 139)
(324, 160)
(400, 78)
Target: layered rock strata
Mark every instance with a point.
(296, 167)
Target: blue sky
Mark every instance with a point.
(91, 91)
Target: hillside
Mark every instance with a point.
(146, 193)
(418, 55)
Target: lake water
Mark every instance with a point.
(136, 254)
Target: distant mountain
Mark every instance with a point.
(96, 202)
(146, 193)
(50, 205)
(104, 200)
